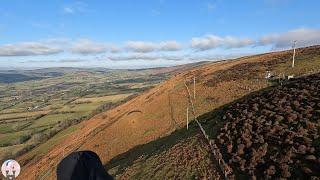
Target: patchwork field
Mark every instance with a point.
(161, 111)
(36, 105)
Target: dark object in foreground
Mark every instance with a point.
(82, 165)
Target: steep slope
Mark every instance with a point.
(162, 159)
(275, 133)
(290, 128)
(162, 110)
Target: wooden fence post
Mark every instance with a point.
(187, 118)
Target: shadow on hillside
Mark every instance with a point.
(128, 158)
(211, 121)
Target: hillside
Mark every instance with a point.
(32, 111)
(270, 133)
(275, 133)
(162, 110)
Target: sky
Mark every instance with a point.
(149, 33)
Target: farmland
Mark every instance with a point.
(138, 139)
(37, 104)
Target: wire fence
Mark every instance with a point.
(224, 167)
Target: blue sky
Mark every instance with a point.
(148, 33)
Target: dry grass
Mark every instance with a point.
(163, 108)
(190, 157)
(21, 115)
(112, 98)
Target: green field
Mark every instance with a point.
(42, 109)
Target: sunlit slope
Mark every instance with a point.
(269, 133)
(162, 110)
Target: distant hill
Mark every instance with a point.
(161, 111)
(15, 77)
(12, 76)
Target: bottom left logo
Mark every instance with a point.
(10, 169)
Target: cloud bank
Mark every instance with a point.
(28, 49)
(145, 46)
(140, 46)
(145, 57)
(87, 47)
(169, 46)
(304, 37)
(214, 41)
(145, 49)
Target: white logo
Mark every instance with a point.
(10, 169)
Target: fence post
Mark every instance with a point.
(214, 148)
(187, 118)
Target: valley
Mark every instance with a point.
(35, 109)
(161, 111)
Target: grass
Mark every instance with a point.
(11, 150)
(303, 64)
(21, 119)
(13, 138)
(159, 159)
(21, 115)
(11, 127)
(12, 110)
(80, 107)
(45, 147)
(74, 95)
(138, 161)
(141, 161)
(52, 119)
(162, 144)
(112, 98)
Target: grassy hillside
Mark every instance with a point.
(183, 151)
(131, 164)
(33, 110)
(162, 110)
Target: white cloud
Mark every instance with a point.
(304, 37)
(145, 47)
(141, 46)
(163, 50)
(62, 42)
(141, 56)
(76, 7)
(86, 47)
(186, 57)
(56, 46)
(169, 46)
(28, 49)
(213, 41)
(132, 57)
